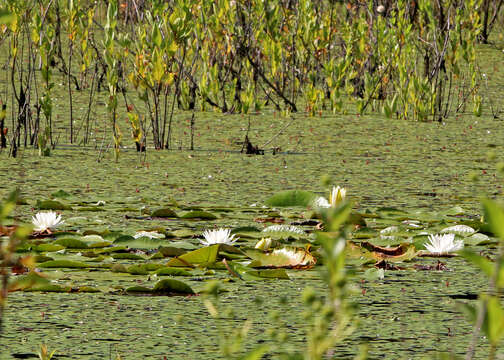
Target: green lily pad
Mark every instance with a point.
(292, 198)
(49, 288)
(172, 271)
(139, 289)
(171, 251)
(203, 255)
(62, 194)
(127, 256)
(172, 286)
(42, 258)
(52, 205)
(140, 243)
(48, 247)
(27, 281)
(91, 209)
(200, 215)
(183, 233)
(164, 213)
(63, 264)
(71, 243)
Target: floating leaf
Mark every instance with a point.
(403, 252)
(205, 255)
(248, 273)
(170, 251)
(171, 286)
(374, 274)
(292, 198)
(48, 247)
(62, 194)
(479, 239)
(27, 281)
(203, 215)
(172, 271)
(164, 213)
(63, 264)
(49, 288)
(140, 243)
(52, 205)
(91, 208)
(42, 258)
(139, 289)
(127, 256)
(71, 243)
(137, 270)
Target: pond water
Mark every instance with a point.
(426, 167)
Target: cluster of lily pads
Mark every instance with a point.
(378, 238)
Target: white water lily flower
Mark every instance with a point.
(149, 234)
(443, 244)
(264, 244)
(389, 230)
(459, 229)
(321, 202)
(284, 228)
(293, 256)
(44, 221)
(221, 236)
(336, 197)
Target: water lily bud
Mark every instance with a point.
(264, 244)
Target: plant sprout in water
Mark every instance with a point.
(443, 244)
(220, 236)
(45, 221)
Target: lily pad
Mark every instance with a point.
(171, 286)
(63, 264)
(164, 213)
(62, 194)
(140, 243)
(292, 198)
(172, 271)
(27, 281)
(52, 205)
(127, 256)
(71, 243)
(197, 214)
(48, 247)
(203, 255)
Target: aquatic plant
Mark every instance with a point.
(264, 244)
(45, 221)
(284, 228)
(220, 236)
(488, 314)
(149, 234)
(336, 197)
(443, 244)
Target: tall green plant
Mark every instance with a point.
(488, 314)
(8, 257)
(112, 57)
